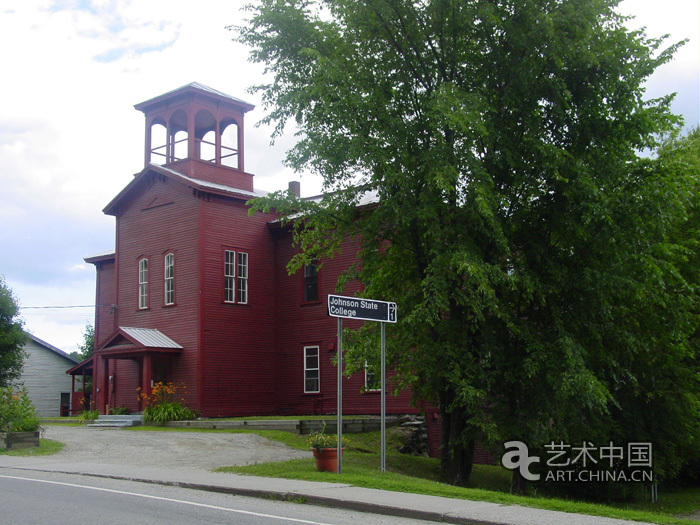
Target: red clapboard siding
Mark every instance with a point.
(299, 325)
(161, 220)
(237, 339)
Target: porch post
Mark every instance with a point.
(104, 388)
(146, 374)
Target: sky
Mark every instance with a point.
(70, 138)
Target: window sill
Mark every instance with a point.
(311, 303)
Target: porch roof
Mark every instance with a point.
(129, 341)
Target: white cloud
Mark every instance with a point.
(70, 138)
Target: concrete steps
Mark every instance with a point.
(130, 420)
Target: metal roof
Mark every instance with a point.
(150, 337)
(193, 86)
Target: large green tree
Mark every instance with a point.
(12, 337)
(535, 258)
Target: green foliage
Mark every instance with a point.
(120, 411)
(321, 440)
(89, 415)
(88, 344)
(546, 276)
(164, 412)
(163, 405)
(17, 413)
(12, 337)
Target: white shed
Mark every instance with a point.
(44, 376)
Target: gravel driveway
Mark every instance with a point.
(196, 450)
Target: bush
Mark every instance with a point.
(89, 415)
(162, 405)
(17, 414)
(120, 411)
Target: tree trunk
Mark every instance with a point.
(457, 451)
(518, 484)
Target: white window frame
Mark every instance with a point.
(310, 371)
(235, 277)
(242, 280)
(143, 283)
(169, 279)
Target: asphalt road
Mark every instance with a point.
(67, 499)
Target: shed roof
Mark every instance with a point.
(150, 337)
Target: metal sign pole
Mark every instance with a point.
(383, 416)
(340, 395)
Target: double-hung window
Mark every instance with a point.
(235, 277)
(169, 279)
(311, 282)
(143, 283)
(312, 370)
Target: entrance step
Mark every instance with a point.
(130, 420)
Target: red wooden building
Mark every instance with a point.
(196, 291)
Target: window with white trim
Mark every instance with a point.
(169, 279)
(143, 283)
(312, 369)
(235, 277)
(242, 277)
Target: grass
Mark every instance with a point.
(422, 475)
(46, 448)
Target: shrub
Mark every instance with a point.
(162, 405)
(89, 415)
(120, 411)
(17, 413)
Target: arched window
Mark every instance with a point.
(169, 275)
(178, 136)
(229, 144)
(205, 135)
(159, 143)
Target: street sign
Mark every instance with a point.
(364, 309)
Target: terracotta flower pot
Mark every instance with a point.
(326, 459)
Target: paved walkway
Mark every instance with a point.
(162, 457)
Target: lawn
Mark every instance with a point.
(46, 448)
(422, 475)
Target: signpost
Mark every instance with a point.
(365, 310)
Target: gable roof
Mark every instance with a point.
(201, 185)
(129, 340)
(52, 348)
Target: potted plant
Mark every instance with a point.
(325, 449)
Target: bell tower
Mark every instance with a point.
(198, 132)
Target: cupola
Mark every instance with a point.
(198, 132)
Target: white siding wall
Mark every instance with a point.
(44, 376)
